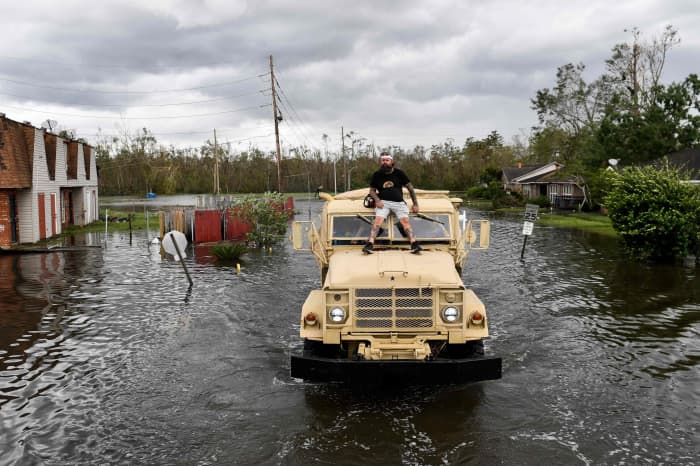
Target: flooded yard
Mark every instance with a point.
(108, 357)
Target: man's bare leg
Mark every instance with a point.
(415, 247)
(373, 235)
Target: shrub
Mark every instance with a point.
(542, 201)
(492, 191)
(508, 200)
(229, 251)
(266, 217)
(656, 215)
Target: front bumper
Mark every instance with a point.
(437, 371)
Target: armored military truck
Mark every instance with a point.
(392, 315)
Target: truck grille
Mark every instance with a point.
(393, 308)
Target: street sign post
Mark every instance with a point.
(529, 224)
(174, 243)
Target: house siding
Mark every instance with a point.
(27, 211)
(42, 184)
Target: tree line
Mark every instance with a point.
(626, 114)
(136, 164)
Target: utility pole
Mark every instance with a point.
(335, 177)
(277, 130)
(342, 140)
(216, 166)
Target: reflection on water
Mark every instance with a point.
(107, 357)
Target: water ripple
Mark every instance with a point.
(110, 357)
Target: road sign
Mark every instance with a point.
(527, 228)
(531, 212)
(174, 243)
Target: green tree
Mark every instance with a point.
(654, 212)
(634, 69)
(573, 104)
(669, 123)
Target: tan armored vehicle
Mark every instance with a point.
(392, 315)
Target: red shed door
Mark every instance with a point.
(42, 217)
(53, 214)
(207, 226)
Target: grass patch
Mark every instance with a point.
(138, 222)
(481, 204)
(592, 222)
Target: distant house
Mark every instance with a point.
(46, 183)
(543, 180)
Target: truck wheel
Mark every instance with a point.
(471, 348)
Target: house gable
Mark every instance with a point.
(50, 146)
(538, 173)
(72, 161)
(511, 173)
(16, 153)
(86, 160)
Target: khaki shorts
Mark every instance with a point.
(400, 209)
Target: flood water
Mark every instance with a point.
(107, 357)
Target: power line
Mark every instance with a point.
(292, 111)
(183, 133)
(284, 95)
(152, 105)
(195, 115)
(156, 91)
(66, 64)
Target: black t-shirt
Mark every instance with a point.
(389, 186)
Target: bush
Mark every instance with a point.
(656, 215)
(266, 217)
(542, 201)
(508, 200)
(477, 192)
(229, 251)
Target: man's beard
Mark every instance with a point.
(386, 169)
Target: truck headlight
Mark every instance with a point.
(337, 315)
(450, 314)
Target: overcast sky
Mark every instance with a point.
(397, 73)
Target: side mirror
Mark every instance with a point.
(477, 230)
(301, 230)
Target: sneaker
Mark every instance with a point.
(415, 248)
(368, 248)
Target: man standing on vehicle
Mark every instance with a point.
(386, 188)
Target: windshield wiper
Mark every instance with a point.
(430, 219)
(370, 222)
(364, 219)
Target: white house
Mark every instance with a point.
(46, 183)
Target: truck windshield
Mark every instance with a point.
(434, 227)
(425, 227)
(355, 227)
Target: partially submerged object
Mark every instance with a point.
(392, 316)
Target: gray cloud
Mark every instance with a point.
(401, 73)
